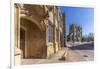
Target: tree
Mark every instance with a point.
(87, 38)
(91, 37)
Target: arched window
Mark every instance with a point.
(50, 33)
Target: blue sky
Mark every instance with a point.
(80, 15)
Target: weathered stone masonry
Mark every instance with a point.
(39, 31)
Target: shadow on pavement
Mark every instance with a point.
(83, 47)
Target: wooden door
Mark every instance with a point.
(22, 42)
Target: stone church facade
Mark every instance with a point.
(39, 31)
(75, 33)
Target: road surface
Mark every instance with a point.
(86, 50)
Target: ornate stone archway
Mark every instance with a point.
(35, 39)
